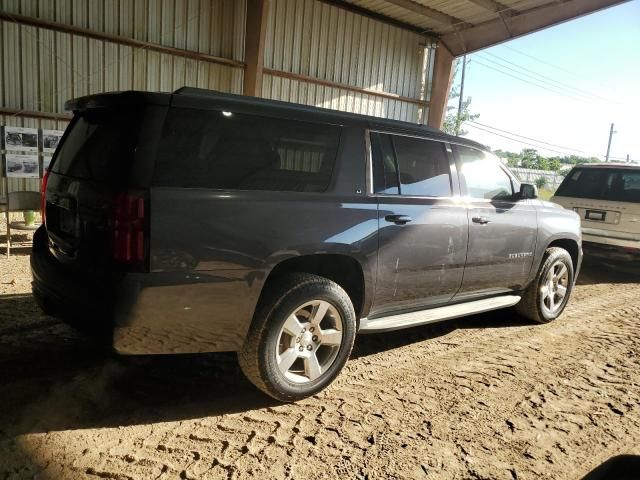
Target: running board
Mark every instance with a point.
(432, 315)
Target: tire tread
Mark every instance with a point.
(249, 354)
(528, 306)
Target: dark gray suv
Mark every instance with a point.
(202, 222)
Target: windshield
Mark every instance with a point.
(619, 185)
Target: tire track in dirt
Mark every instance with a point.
(455, 400)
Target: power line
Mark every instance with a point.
(532, 83)
(526, 138)
(544, 78)
(489, 128)
(518, 140)
(485, 128)
(576, 75)
(544, 83)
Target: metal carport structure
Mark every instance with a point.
(388, 58)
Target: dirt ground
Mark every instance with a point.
(486, 397)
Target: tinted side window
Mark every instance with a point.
(227, 150)
(423, 167)
(385, 173)
(483, 175)
(420, 166)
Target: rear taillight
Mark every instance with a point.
(128, 228)
(43, 197)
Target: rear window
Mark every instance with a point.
(619, 185)
(98, 146)
(228, 150)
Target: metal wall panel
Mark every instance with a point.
(315, 39)
(214, 27)
(40, 68)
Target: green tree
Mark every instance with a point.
(453, 121)
(541, 182)
(555, 164)
(529, 158)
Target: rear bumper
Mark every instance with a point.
(80, 299)
(611, 238)
(615, 253)
(144, 313)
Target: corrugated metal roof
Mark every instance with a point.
(466, 11)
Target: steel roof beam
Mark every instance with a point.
(493, 6)
(365, 12)
(428, 12)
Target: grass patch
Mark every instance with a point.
(545, 194)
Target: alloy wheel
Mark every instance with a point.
(554, 288)
(309, 341)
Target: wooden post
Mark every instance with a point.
(442, 77)
(255, 32)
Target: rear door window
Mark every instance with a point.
(483, 175)
(620, 185)
(228, 150)
(410, 166)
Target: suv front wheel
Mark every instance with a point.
(546, 297)
(301, 337)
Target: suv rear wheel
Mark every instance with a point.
(546, 297)
(301, 337)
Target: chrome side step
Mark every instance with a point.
(432, 315)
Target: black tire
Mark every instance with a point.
(257, 357)
(531, 305)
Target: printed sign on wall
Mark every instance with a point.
(50, 140)
(21, 139)
(22, 166)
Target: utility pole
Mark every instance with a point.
(611, 132)
(461, 99)
(628, 159)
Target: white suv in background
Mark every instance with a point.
(607, 198)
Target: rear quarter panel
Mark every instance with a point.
(212, 251)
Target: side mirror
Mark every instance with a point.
(527, 191)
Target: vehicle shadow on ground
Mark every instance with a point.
(596, 270)
(18, 241)
(55, 379)
(374, 343)
(17, 250)
(621, 467)
(52, 378)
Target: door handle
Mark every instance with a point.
(398, 219)
(480, 220)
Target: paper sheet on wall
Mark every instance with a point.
(22, 166)
(20, 139)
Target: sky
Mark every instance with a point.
(587, 73)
